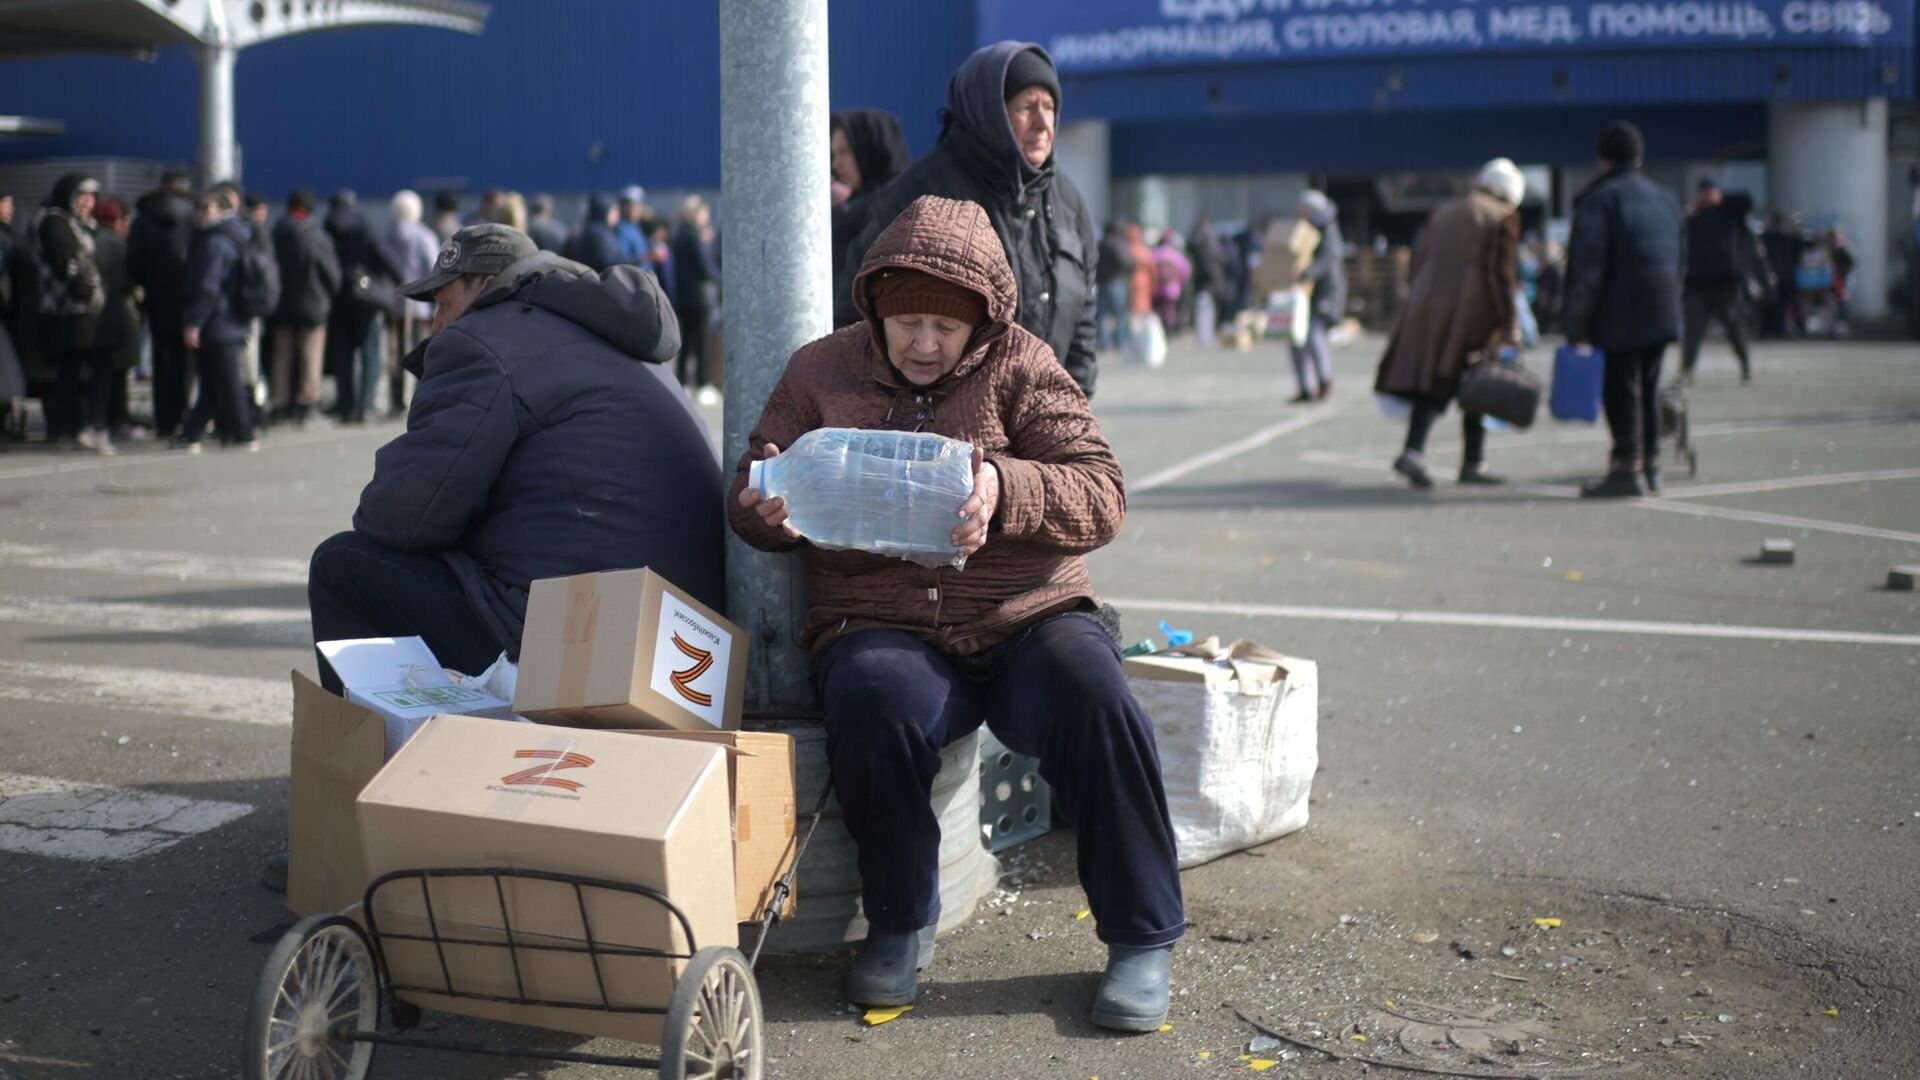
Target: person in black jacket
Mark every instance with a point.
(1210, 286)
(72, 299)
(1720, 253)
(546, 438)
(1623, 294)
(696, 269)
(163, 229)
(1111, 282)
(310, 279)
(869, 150)
(597, 246)
(356, 351)
(997, 150)
(548, 233)
(212, 324)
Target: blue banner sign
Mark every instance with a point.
(1112, 35)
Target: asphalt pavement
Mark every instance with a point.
(1531, 705)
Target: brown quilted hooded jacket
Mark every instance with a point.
(1061, 493)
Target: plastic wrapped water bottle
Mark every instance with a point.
(894, 493)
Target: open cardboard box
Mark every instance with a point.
(467, 792)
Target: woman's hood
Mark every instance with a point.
(952, 240)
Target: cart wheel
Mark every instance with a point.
(713, 1029)
(319, 979)
(1693, 463)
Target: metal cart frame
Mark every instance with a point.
(316, 1013)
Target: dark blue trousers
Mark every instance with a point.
(893, 702)
(360, 588)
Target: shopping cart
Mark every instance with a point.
(1676, 424)
(325, 1001)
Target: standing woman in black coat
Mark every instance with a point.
(869, 150)
(1003, 107)
(72, 299)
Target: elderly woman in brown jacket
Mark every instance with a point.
(1464, 283)
(908, 659)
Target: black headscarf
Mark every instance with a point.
(879, 146)
(976, 117)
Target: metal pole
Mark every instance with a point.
(216, 112)
(779, 284)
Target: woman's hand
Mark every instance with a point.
(773, 512)
(977, 512)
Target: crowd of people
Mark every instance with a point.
(240, 321)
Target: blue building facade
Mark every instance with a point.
(570, 96)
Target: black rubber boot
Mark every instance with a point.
(887, 971)
(1475, 472)
(1617, 485)
(1134, 992)
(1412, 464)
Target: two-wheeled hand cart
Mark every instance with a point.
(1676, 423)
(319, 1010)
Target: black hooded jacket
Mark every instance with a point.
(157, 246)
(595, 246)
(880, 149)
(1720, 247)
(1038, 214)
(546, 439)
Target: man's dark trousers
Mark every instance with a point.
(222, 400)
(893, 702)
(1631, 394)
(172, 377)
(358, 588)
(1703, 303)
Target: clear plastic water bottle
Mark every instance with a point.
(895, 493)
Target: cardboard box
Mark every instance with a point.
(627, 649)
(400, 679)
(760, 773)
(1252, 665)
(475, 793)
(337, 747)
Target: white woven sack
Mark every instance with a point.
(1238, 767)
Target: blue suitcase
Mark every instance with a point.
(1577, 377)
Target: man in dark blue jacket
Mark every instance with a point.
(212, 324)
(1623, 295)
(546, 439)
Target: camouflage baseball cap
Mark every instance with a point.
(476, 249)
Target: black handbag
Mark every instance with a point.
(1503, 388)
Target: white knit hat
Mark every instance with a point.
(1501, 179)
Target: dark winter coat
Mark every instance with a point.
(1624, 264)
(1461, 297)
(1038, 214)
(1116, 257)
(546, 439)
(596, 246)
(157, 248)
(696, 270)
(368, 276)
(119, 333)
(1209, 260)
(880, 150)
(213, 282)
(310, 275)
(71, 294)
(1720, 248)
(1061, 490)
(547, 234)
(1326, 275)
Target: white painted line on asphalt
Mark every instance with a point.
(68, 819)
(1728, 513)
(230, 699)
(1519, 622)
(1786, 483)
(157, 457)
(1231, 450)
(289, 626)
(160, 564)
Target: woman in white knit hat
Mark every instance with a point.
(1462, 301)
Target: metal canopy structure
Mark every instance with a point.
(217, 29)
